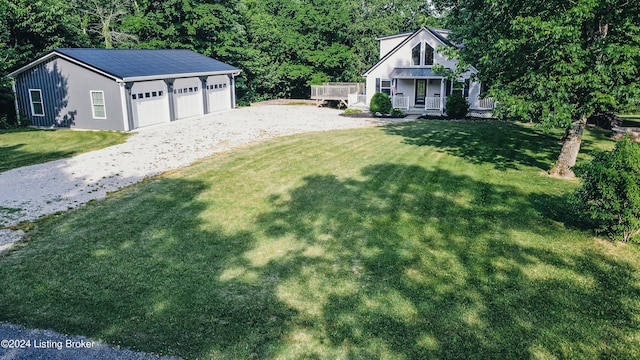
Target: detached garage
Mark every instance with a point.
(117, 89)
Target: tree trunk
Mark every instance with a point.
(570, 149)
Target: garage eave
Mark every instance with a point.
(179, 76)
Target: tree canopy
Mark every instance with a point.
(553, 62)
(282, 46)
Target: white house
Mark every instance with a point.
(405, 72)
(121, 89)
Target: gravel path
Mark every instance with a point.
(31, 192)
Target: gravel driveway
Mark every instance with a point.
(31, 192)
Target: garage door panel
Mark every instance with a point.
(150, 104)
(218, 93)
(187, 97)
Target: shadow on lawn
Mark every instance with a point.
(454, 269)
(504, 145)
(404, 262)
(14, 156)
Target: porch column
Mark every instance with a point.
(442, 96)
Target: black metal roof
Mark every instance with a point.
(128, 63)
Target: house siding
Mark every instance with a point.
(401, 58)
(66, 94)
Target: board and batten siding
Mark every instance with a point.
(66, 96)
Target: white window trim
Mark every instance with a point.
(33, 113)
(423, 49)
(390, 87)
(93, 108)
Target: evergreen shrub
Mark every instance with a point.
(457, 106)
(380, 103)
(609, 196)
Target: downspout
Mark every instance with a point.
(232, 83)
(124, 95)
(15, 100)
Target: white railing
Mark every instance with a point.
(400, 102)
(335, 91)
(432, 103)
(483, 104)
(357, 99)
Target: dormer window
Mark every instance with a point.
(415, 54)
(428, 54)
(422, 54)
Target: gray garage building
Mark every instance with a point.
(121, 89)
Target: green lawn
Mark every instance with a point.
(632, 120)
(424, 240)
(27, 146)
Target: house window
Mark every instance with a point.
(428, 54)
(37, 107)
(415, 54)
(97, 105)
(385, 87)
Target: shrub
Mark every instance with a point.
(351, 111)
(457, 106)
(380, 103)
(610, 192)
(397, 113)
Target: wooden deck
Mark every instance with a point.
(335, 91)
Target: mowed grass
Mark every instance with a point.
(27, 146)
(415, 241)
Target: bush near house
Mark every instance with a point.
(380, 103)
(610, 191)
(457, 106)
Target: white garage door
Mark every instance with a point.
(187, 97)
(218, 93)
(150, 103)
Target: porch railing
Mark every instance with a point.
(400, 102)
(432, 103)
(483, 104)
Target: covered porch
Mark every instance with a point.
(418, 90)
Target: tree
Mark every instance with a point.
(28, 30)
(101, 17)
(553, 62)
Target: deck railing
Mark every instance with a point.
(335, 91)
(357, 99)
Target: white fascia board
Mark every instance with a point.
(32, 64)
(180, 76)
(399, 46)
(62, 56)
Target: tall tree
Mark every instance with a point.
(102, 17)
(555, 62)
(29, 29)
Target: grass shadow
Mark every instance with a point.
(501, 144)
(162, 281)
(456, 269)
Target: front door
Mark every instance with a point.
(421, 91)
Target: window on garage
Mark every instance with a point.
(97, 105)
(37, 107)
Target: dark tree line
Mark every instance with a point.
(282, 46)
